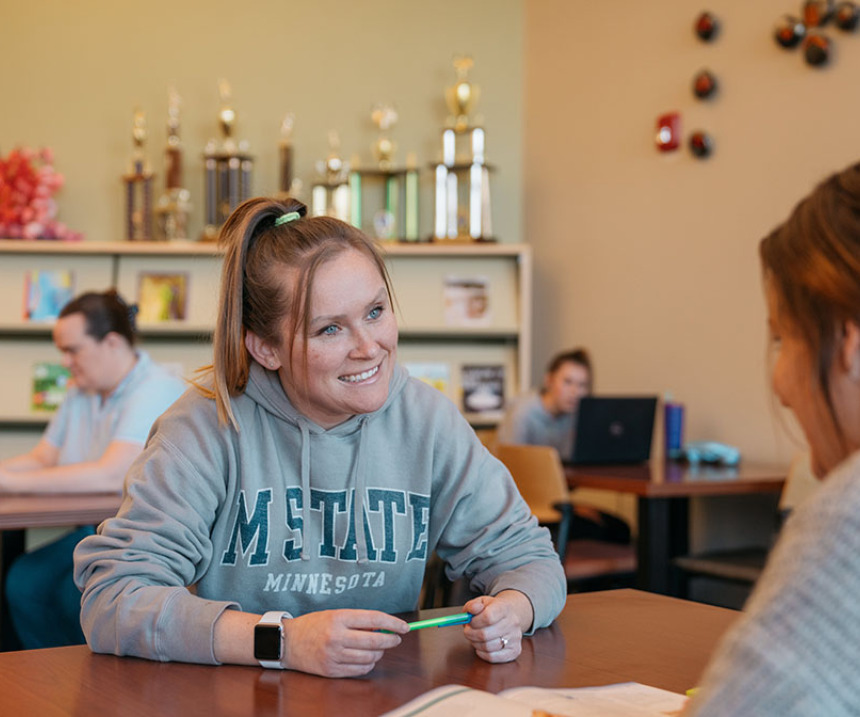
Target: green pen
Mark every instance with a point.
(459, 619)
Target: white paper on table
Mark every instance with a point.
(627, 699)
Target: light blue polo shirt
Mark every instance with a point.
(84, 426)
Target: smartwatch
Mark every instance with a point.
(269, 639)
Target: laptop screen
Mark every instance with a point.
(614, 429)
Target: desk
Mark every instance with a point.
(600, 638)
(663, 490)
(19, 512)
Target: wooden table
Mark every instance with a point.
(663, 490)
(600, 638)
(19, 512)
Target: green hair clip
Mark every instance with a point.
(288, 217)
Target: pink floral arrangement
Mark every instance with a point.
(28, 182)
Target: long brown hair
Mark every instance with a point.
(811, 263)
(255, 292)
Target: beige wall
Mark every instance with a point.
(650, 259)
(74, 73)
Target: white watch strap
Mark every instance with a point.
(274, 617)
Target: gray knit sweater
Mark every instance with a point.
(796, 649)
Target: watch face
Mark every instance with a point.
(267, 642)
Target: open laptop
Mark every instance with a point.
(615, 429)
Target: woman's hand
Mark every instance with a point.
(496, 630)
(340, 643)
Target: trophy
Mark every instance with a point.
(463, 176)
(330, 193)
(174, 205)
(138, 186)
(228, 168)
(389, 222)
(287, 184)
(384, 117)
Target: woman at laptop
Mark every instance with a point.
(796, 649)
(548, 418)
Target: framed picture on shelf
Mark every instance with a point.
(162, 297)
(46, 293)
(435, 374)
(483, 389)
(467, 301)
(50, 381)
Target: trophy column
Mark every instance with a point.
(395, 189)
(330, 193)
(462, 208)
(174, 205)
(138, 186)
(228, 170)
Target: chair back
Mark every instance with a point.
(539, 476)
(489, 437)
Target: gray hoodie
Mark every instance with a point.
(265, 519)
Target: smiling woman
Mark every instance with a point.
(343, 363)
(309, 479)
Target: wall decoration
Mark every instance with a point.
(704, 84)
(846, 16)
(668, 131)
(701, 144)
(28, 183)
(816, 50)
(707, 27)
(817, 13)
(789, 31)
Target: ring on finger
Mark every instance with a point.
(504, 642)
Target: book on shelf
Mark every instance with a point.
(162, 297)
(46, 292)
(50, 382)
(483, 388)
(626, 699)
(435, 374)
(467, 301)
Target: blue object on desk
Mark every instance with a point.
(711, 452)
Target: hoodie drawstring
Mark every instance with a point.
(306, 485)
(359, 480)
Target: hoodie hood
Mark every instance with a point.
(265, 389)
